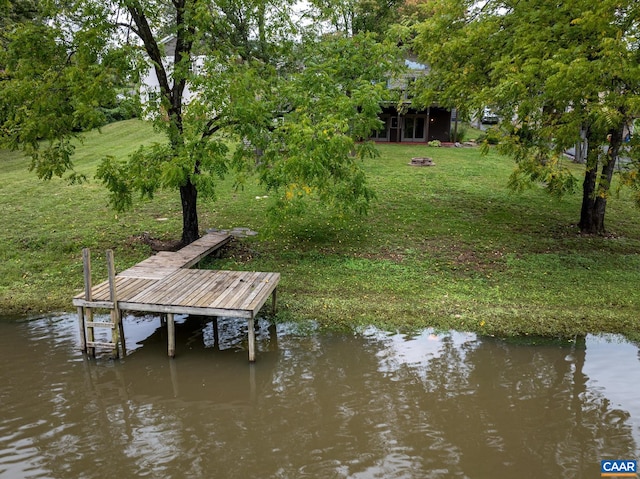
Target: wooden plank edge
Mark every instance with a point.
(92, 304)
(199, 311)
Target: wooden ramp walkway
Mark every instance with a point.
(164, 284)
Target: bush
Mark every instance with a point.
(492, 136)
(125, 110)
(434, 143)
(460, 134)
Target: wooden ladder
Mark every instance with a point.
(87, 324)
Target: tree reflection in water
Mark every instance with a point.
(315, 405)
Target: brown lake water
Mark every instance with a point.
(314, 405)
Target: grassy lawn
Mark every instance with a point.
(446, 246)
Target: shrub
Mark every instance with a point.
(492, 136)
(460, 133)
(124, 110)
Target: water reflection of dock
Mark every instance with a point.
(165, 284)
(209, 378)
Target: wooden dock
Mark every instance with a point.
(164, 284)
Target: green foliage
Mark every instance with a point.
(557, 179)
(114, 175)
(52, 159)
(123, 110)
(461, 133)
(352, 17)
(301, 131)
(296, 110)
(492, 136)
(555, 73)
(630, 174)
(52, 89)
(156, 167)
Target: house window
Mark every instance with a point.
(383, 132)
(414, 128)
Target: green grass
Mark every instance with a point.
(446, 246)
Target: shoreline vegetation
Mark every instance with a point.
(446, 246)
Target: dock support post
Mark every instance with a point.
(83, 333)
(174, 377)
(171, 335)
(252, 382)
(117, 332)
(87, 315)
(216, 334)
(274, 301)
(252, 340)
(273, 337)
(121, 331)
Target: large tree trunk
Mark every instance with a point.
(587, 222)
(596, 185)
(172, 90)
(189, 197)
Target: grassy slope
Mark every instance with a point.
(445, 246)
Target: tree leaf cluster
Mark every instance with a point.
(300, 127)
(56, 82)
(352, 17)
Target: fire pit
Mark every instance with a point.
(422, 161)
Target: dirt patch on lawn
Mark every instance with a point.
(155, 243)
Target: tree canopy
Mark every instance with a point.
(238, 72)
(356, 16)
(557, 73)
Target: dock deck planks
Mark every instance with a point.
(164, 284)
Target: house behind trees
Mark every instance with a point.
(403, 122)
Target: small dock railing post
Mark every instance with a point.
(117, 332)
(86, 321)
(86, 333)
(252, 339)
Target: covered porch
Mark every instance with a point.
(414, 126)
